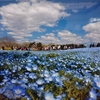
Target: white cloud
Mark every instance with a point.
(75, 10)
(27, 17)
(64, 37)
(68, 37)
(92, 27)
(94, 20)
(48, 38)
(80, 5)
(20, 39)
(20, 34)
(93, 31)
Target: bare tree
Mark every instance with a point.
(7, 41)
(26, 44)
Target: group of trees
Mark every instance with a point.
(8, 41)
(95, 45)
(38, 45)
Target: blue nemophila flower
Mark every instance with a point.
(52, 72)
(2, 72)
(6, 79)
(46, 73)
(2, 83)
(63, 78)
(97, 82)
(59, 97)
(33, 86)
(43, 63)
(72, 99)
(6, 71)
(23, 85)
(26, 73)
(29, 64)
(40, 90)
(64, 65)
(41, 74)
(50, 59)
(43, 58)
(64, 95)
(34, 67)
(55, 74)
(18, 91)
(9, 93)
(2, 90)
(35, 57)
(32, 76)
(25, 80)
(29, 60)
(58, 81)
(98, 68)
(19, 68)
(38, 61)
(28, 68)
(93, 94)
(48, 79)
(88, 80)
(27, 97)
(13, 81)
(59, 66)
(48, 96)
(40, 81)
(30, 85)
(14, 69)
(1, 64)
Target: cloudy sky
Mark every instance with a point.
(51, 21)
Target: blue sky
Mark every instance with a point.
(51, 21)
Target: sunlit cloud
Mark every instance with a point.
(27, 17)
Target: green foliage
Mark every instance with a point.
(52, 55)
(82, 60)
(61, 72)
(51, 67)
(23, 98)
(46, 87)
(49, 87)
(22, 71)
(41, 67)
(37, 73)
(68, 75)
(74, 91)
(97, 72)
(32, 94)
(98, 64)
(92, 64)
(57, 90)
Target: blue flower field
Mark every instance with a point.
(50, 75)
